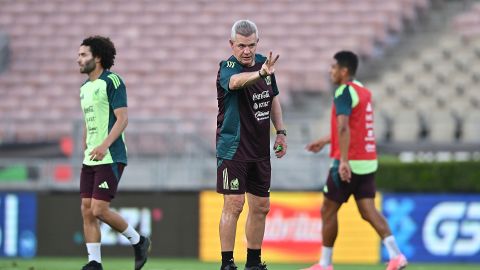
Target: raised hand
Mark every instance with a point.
(268, 66)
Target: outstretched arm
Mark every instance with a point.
(317, 145)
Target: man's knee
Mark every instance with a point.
(99, 211)
(261, 207)
(329, 210)
(234, 205)
(366, 216)
(86, 209)
(367, 210)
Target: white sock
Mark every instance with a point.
(326, 258)
(131, 235)
(94, 254)
(391, 245)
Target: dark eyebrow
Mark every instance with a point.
(251, 44)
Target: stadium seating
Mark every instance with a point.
(168, 52)
(429, 95)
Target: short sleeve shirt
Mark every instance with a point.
(243, 120)
(99, 99)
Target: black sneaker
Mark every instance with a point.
(230, 266)
(141, 249)
(92, 265)
(260, 266)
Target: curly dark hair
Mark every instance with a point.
(103, 48)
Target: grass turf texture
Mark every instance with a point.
(187, 264)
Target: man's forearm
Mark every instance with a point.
(326, 139)
(116, 131)
(344, 142)
(241, 80)
(277, 116)
(84, 137)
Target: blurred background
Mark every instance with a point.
(420, 58)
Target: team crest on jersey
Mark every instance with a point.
(268, 80)
(95, 94)
(234, 184)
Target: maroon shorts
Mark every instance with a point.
(100, 181)
(238, 177)
(361, 186)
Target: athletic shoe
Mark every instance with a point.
(319, 267)
(397, 263)
(260, 266)
(92, 265)
(230, 266)
(141, 249)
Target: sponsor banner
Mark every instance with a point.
(169, 219)
(18, 215)
(435, 228)
(292, 232)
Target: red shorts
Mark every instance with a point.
(238, 177)
(100, 181)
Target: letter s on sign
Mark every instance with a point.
(445, 216)
(469, 245)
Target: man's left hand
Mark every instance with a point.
(345, 171)
(281, 144)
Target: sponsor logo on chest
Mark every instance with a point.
(265, 94)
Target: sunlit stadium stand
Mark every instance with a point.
(168, 52)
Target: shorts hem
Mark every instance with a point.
(365, 197)
(102, 198)
(264, 195)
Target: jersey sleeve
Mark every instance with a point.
(116, 91)
(274, 86)
(343, 101)
(227, 70)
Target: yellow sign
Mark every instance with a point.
(293, 230)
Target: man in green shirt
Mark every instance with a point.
(104, 103)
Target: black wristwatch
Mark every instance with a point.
(282, 131)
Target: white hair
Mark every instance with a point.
(244, 28)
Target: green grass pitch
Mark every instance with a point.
(187, 264)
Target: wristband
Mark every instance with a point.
(282, 131)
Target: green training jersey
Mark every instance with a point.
(99, 99)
